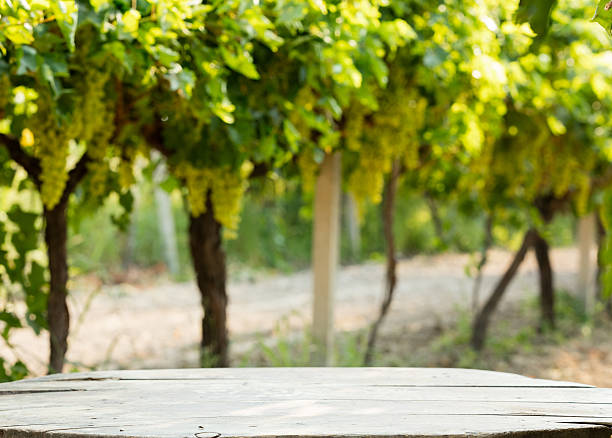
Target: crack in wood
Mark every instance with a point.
(85, 379)
(485, 386)
(518, 414)
(38, 391)
(90, 427)
(591, 423)
(435, 400)
(24, 425)
(185, 378)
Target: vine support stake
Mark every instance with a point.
(325, 252)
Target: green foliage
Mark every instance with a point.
(15, 371)
(448, 345)
(482, 116)
(603, 15)
(22, 279)
(571, 309)
(276, 233)
(536, 13)
(441, 98)
(605, 250)
(508, 339)
(285, 347)
(99, 254)
(273, 233)
(89, 86)
(114, 248)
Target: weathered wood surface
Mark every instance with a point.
(302, 402)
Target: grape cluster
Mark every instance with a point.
(126, 169)
(197, 182)
(391, 133)
(354, 126)
(226, 189)
(51, 148)
(558, 165)
(94, 124)
(303, 105)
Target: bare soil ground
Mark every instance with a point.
(152, 323)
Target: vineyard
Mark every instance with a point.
(202, 144)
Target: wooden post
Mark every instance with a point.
(587, 268)
(325, 256)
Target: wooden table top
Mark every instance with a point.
(302, 402)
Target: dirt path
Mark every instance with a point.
(157, 325)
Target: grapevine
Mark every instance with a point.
(51, 147)
(392, 133)
(97, 121)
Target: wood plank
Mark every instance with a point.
(304, 402)
(419, 426)
(354, 376)
(238, 409)
(260, 392)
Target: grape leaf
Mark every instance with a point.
(536, 13)
(603, 15)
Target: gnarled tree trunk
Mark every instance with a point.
(56, 230)
(481, 322)
(209, 264)
(388, 209)
(56, 234)
(547, 292)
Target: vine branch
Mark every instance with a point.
(21, 23)
(75, 176)
(21, 157)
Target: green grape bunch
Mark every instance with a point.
(51, 143)
(224, 186)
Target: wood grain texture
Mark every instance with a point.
(302, 402)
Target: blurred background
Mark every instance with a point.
(131, 311)
(298, 183)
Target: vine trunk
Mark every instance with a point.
(388, 209)
(209, 264)
(56, 231)
(482, 319)
(547, 293)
